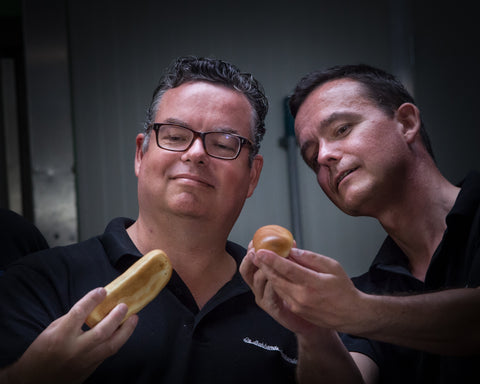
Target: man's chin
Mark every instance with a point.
(351, 205)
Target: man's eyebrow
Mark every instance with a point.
(172, 120)
(335, 116)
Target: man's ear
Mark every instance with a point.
(139, 152)
(409, 117)
(255, 171)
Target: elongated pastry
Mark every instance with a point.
(136, 287)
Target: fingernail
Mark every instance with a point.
(296, 252)
(122, 308)
(256, 258)
(260, 256)
(133, 319)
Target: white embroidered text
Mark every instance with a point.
(269, 348)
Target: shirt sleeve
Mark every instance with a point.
(28, 304)
(360, 345)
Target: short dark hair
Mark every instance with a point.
(382, 88)
(192, 68)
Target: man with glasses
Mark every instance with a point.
(196, 162)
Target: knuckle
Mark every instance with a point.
(77, 312)
(98, 334)
(111, 348)
(302, 299)
(294, 307)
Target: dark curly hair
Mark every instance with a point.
(191, 68)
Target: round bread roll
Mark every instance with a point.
(274, 238)
(136, 287)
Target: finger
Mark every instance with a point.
(280, 310)
(270, 295)
(118, 338)
(82, 308)
(97, 349)
(287, 276)
(278, 267)
(315, 261)
(108, 325)
(278, 305)
(282, 282)
(299, 264)
(259, 285)
(248, 268)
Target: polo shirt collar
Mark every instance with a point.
(467, 200)
(392, 259)
(117, 243)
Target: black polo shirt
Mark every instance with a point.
(230, 340)
(455, 264)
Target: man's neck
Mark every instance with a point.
(196, 250)
(417, 221)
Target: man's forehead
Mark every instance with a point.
(334, 100)
(203, 105)
(338, 88)
(339, 93)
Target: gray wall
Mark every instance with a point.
(118, 49)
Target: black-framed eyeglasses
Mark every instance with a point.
(221, 145)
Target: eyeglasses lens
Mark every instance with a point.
(222, 144)
(217, 144)
(174, 138)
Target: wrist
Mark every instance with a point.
(362, 318)
(317, 337)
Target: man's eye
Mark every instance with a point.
(342, 129)
(311, 160)
(173, 138)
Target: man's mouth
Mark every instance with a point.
(193, 179)
(343, 175)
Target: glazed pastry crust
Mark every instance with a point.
(274, 238)
(136, 287)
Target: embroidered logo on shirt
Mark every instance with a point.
(267, 347)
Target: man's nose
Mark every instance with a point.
(328, 152)
(196, 151)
